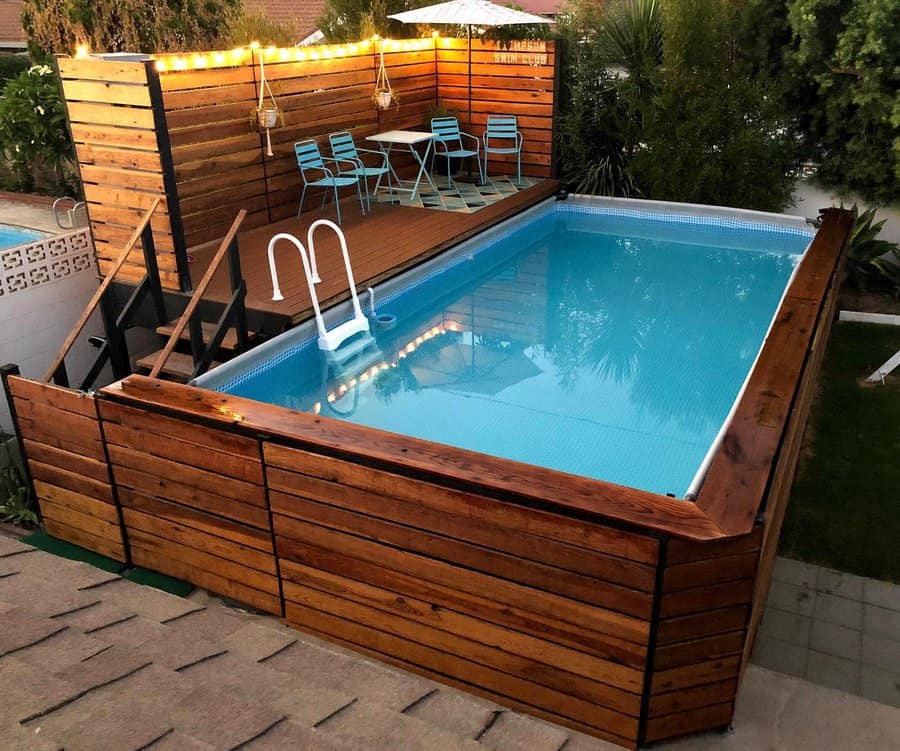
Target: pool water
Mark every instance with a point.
(10, 236)
(606, 345)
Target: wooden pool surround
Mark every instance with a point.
(618, 612)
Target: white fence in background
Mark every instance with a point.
(44, 286)
(50, 259)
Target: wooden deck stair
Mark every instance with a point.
(178, 365)
(229, 343)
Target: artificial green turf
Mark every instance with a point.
(43, 541)
(50, 544)
(159, 581)
(844, 510)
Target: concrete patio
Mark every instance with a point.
(90, 660)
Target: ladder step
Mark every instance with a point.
(179, 365)
(229, 341)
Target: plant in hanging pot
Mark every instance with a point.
(384, 98)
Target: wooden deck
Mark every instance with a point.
(382, 243)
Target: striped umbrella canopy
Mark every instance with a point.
(469, 13)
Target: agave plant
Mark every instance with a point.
(16, 503)
(869, 257)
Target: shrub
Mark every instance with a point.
(58, 26)
(844, 65)
(243, 26)
(12, 65)
(868, 257)
(34, 137)
(657, 101)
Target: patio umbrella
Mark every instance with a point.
(468, 13)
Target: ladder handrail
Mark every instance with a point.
(101, 290)
(328, 340)
(198, 294)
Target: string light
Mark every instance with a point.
(239, 55)
(402, 352)
(82, 51)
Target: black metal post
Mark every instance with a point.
(61, 375)
(238, 286)
(115, 339)
(195, 327)
(152, 266)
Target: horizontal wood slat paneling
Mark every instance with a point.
(546, 618)
(60, 431)
(194, 503)
(117, 147)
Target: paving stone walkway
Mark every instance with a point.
(91, 661)
(834, 629)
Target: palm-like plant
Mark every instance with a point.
(868, 256)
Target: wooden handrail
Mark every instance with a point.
(198, 294)
(98, 295)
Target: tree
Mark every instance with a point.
(843, 69)
(59, 26)
(352, 20)
(34, 138)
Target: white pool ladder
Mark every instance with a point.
(328, 340)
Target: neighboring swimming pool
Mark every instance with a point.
(603, 342)
(10, 235)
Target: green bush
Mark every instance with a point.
(870, 258)
(657, 101)
(12, 65)
(838, 62)
(34, 136)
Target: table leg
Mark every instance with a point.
(423, 160)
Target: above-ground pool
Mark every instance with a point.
(602, 342)
(10, 235)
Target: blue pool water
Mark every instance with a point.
(610, 346)
(10, 236)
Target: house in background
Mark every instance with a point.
(12, 35)
(304, 14)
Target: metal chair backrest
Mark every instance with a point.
(501, 126)
(446, 128)
(308, 155)
(343, 146)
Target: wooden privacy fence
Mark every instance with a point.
(180, 127)
(621, 613)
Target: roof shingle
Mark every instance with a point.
(11, 21)
(302, 13)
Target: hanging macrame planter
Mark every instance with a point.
(267, 115)
(384, 95)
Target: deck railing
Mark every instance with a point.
(114, 348)
(234, 314)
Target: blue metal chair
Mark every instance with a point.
(505, 129)
(450, 138)
(344, 149)
(310, 159)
